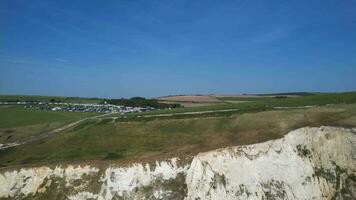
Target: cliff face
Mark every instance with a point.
(308, 163)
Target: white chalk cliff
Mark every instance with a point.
(308, 163)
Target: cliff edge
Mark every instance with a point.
(308, 163)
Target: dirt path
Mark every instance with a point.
(49, 133)
(216, 111)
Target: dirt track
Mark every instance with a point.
(190, 113)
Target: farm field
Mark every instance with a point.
(261, 104)
(190, 100)
(201, 100)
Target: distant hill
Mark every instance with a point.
(190, 98)
(35, 98)
(289, 94)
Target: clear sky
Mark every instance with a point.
(151, 48)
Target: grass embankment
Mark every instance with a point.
(127, 141)
(17, 122)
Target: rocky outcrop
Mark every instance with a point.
(308, 163)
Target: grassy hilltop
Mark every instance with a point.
(165, 133)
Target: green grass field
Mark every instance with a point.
(136, 138)
(104, 139)
(18, 123)
(17, 116)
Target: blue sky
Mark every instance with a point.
(152, 48)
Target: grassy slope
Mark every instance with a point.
(17, 116)
(17, 123)
(136, 139)
(105, 139)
